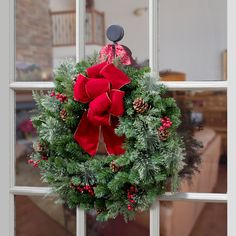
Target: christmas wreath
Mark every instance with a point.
(107, 137)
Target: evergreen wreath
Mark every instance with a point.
(149, 160)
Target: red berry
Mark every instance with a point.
(80, 189)
(130, 196)
(36, 164)
(44, 158)
(132, 188)
(130, 207)
(30, 161)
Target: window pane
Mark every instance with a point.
(193, 39)
(41, 216)
(117, 227)
(132, 15)
(205, 114)
(45, 34)
(26, 175)
(181, 218)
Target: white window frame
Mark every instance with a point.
(7, 118)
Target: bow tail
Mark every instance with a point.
(87, 135)
(113, 142)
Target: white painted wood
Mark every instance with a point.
(80, 54)
(80, 29)
(196, 85)
(154, 223)
(154, 37)
(30, 191)
(31, 85)
(168, 196)
(12, 158)
(181, 85)
(6, 202)
(196, 197)
(80, 222)
(231, 211)
(12, 129)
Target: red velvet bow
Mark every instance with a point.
(101, 90)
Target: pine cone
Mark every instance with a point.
(163, 134)
(100, 210)
(140, 106)
(63, 114)
(114, 167)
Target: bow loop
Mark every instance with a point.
(94, 71)
(117, 103)
(98, 110)
(80, 93)
(96, 87)
(117, 77)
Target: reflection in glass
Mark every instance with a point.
(25, 134)
(41, 216)
(45, 35)
(193, 39)
(117, 227)
(132, 15)
(181, 218)
(205, 113)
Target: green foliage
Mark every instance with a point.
(148, 163)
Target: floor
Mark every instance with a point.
(32, 220)
(213, 219)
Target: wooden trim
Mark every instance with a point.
(93, 25)
(104, 38)
(62, 12)
(225, 64)
(95, 43)
(182, 85)
(93, 13)
(179, 196)
(64, 45)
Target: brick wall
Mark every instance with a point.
(33, 33)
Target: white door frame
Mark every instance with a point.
(7, 120)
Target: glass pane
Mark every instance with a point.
(181, 218)
(205, 114)
(193, 40)
(117, 227)
(25, 134)
(45, 34)
(41, 216)
(130, 15)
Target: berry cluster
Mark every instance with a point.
(166, 123)
(131, 195)
(33, 163)
(87, 188)
(59, 96)
(36, 163)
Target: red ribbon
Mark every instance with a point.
(111, 51)
(102, 90)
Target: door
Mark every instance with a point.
(14, 188)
